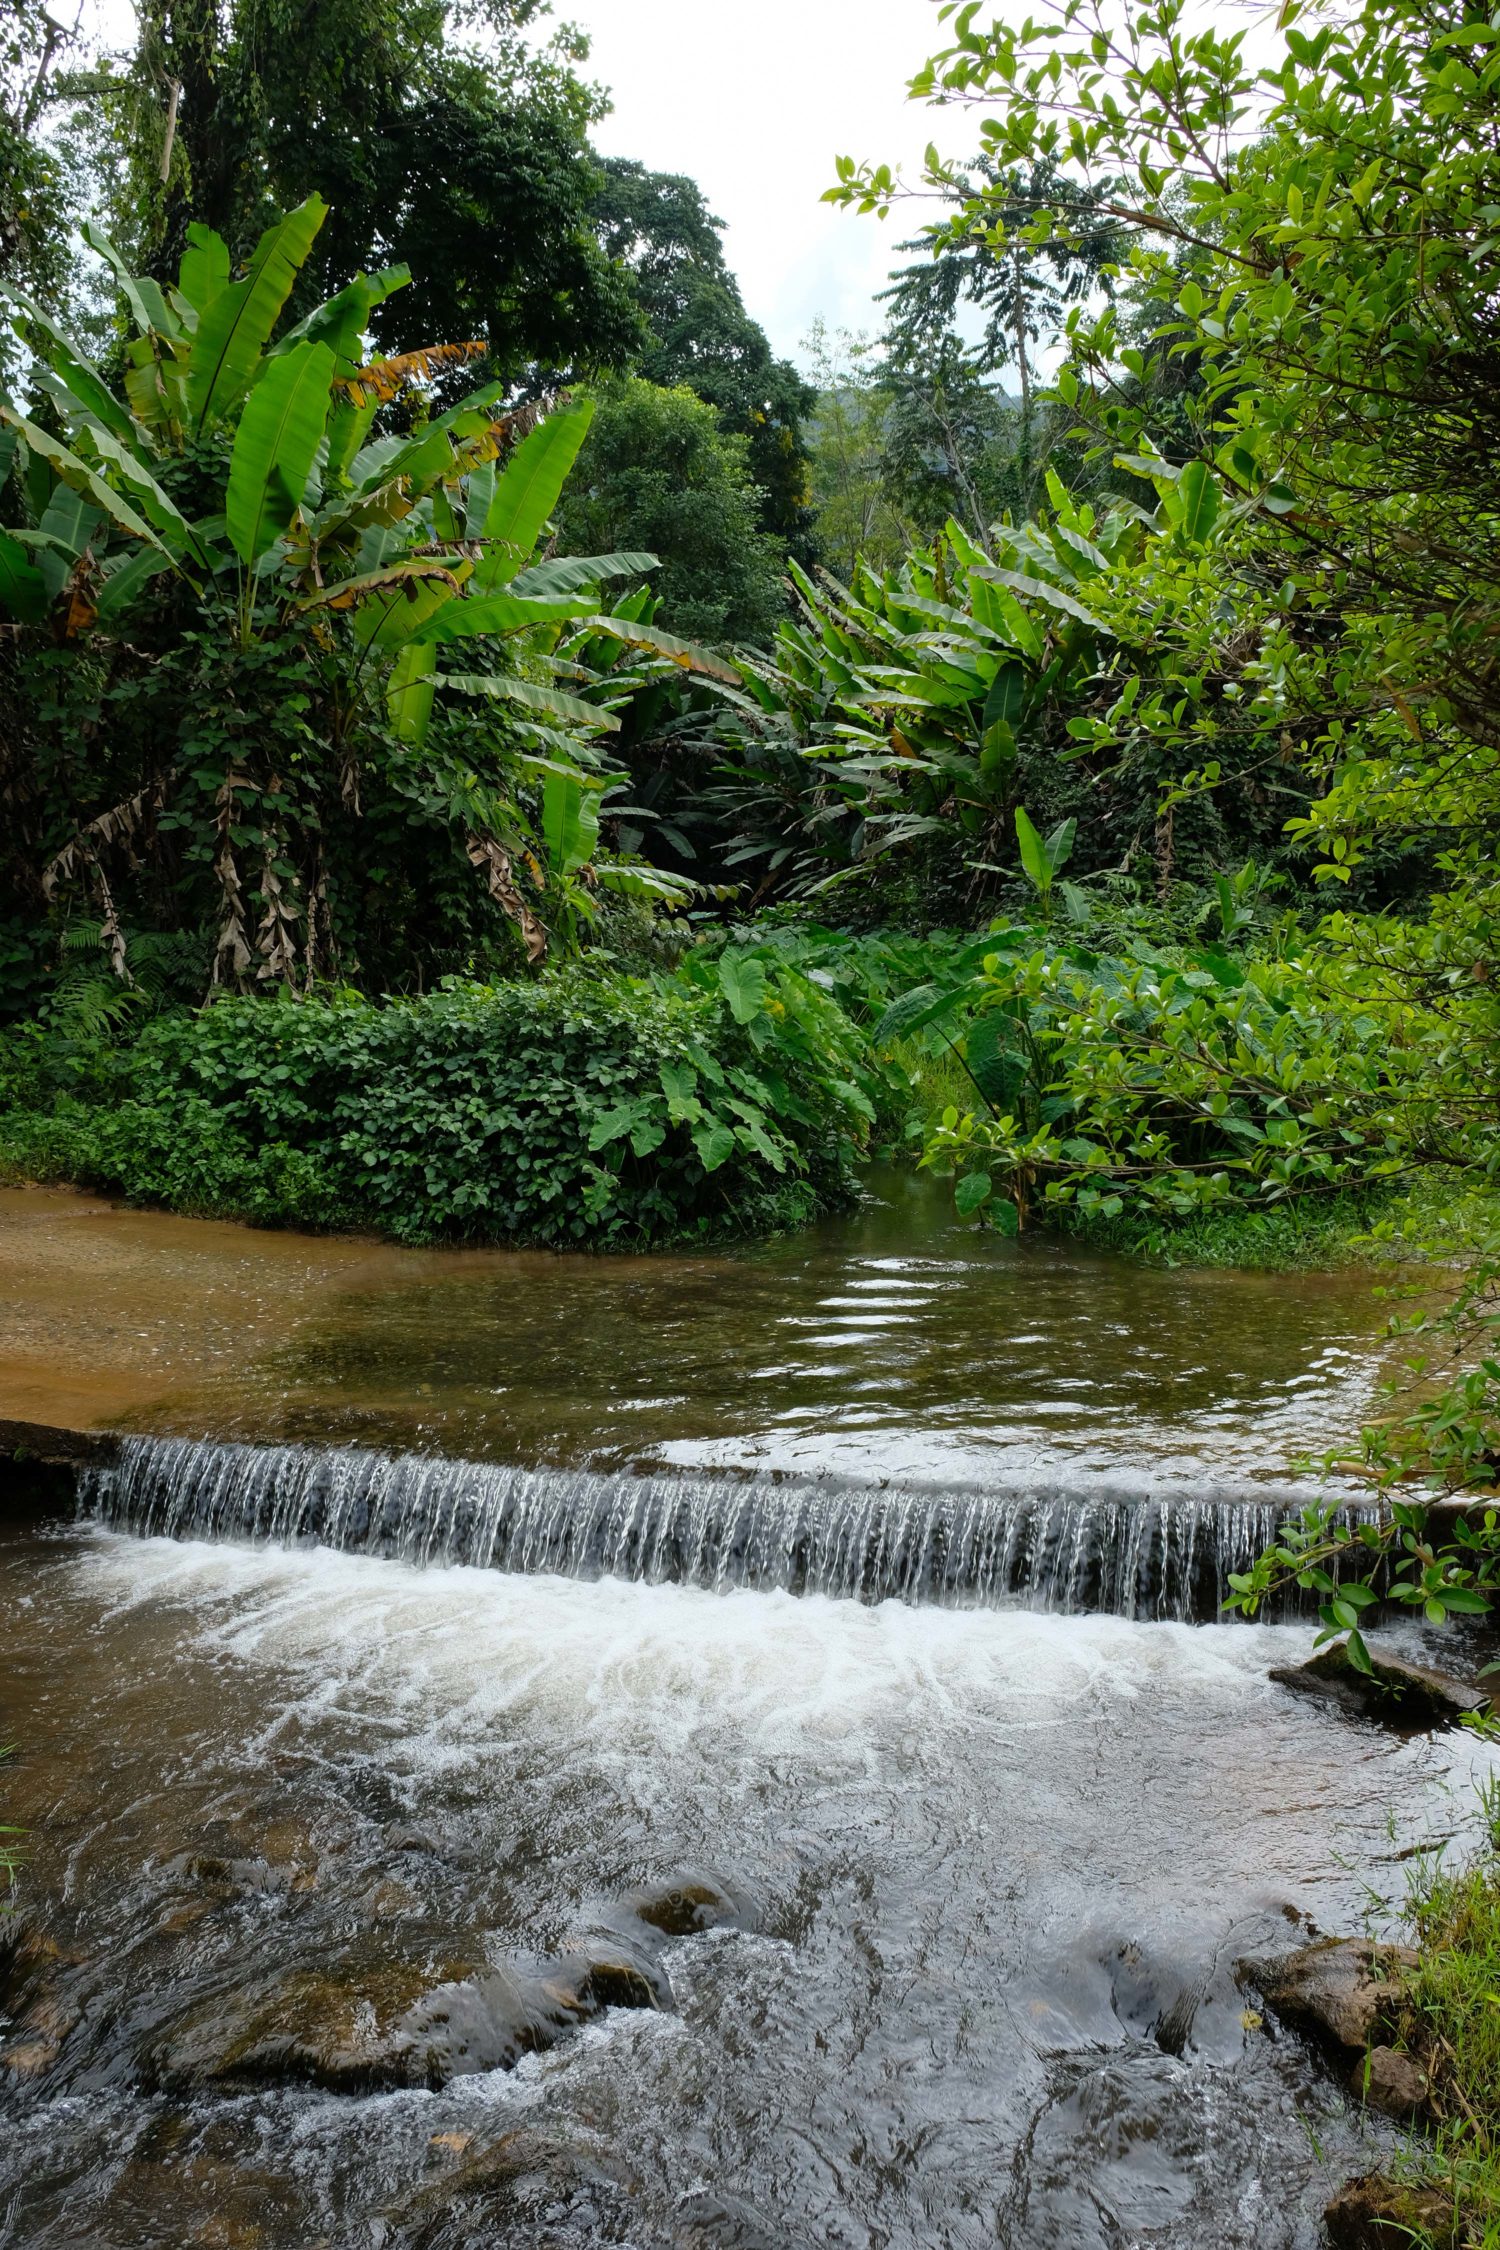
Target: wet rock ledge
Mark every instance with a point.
(39, 1464)
(1394, 1691)
(1377, 2213)
(1344, 1994)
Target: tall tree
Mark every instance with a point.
(658, 473)
(1022, 287)
(464, 158)
(857, 517)
(659, 227)
(951, 438)
(34, 217)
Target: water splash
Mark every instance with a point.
(1146, 1552)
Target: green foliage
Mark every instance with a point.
(36, 191)
(598, 1111)
(1453, 2024)
(1443, 1565)
(911, 711)
(659, 472)
(1044, 857)
(658, 225)
(450, 139)
(236, 593)
(1187, 1082)
(1299, 363)
(1022, 287)
(1327, 275)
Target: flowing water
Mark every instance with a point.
(1151, 1548)
(756, 1790)
(896, 1344)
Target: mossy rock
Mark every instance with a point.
(1378, 2213)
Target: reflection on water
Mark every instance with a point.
(895, 1343)
(993, 1872)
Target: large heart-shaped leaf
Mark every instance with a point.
(742, 980)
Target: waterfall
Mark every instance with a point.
(1144, 1552)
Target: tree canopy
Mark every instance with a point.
(450, 143)
(658, 471)
(659, 226)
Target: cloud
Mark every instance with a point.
(755, 106)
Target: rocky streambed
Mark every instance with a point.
(368, 1903)
(574, 1839)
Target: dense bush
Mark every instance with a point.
(575, 1110)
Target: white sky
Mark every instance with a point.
(754, 103)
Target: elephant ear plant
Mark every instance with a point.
(287, 668)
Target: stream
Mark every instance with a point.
(719, 1750)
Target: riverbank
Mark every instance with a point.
(1453, 2023)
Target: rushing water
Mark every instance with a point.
(985, 1878)
(1148, 1550)
(684, 1754)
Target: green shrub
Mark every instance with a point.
(581, 1109)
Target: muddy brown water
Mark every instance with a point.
(982, 1874)
(895, 1342)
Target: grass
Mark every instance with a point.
(1436, 1223)
(1308, 1235)
(1453, 2007)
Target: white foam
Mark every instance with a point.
(778, 1672)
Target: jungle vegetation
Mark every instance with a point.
(1058, 738)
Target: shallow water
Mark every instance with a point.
(980, 1875)
(992, 1873)
(892, 1343)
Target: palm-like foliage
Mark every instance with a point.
(898, 708)
(314, 604)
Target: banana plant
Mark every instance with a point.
(1044, 857)
(244, 486)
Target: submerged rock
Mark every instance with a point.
(489, 2022)
(1376, 2213)
(523, 2177)
(37, 2013)
(1396, 1692)
(337, 2028)
(360, 2028)
(686, 1904)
